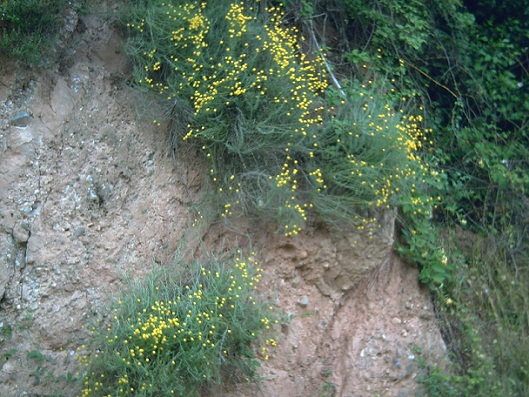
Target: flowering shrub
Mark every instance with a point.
(370, 155)
(180, 330)
(279, 140)
(252, 92)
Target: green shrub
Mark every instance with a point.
(180, 330)
(263, 116)
(28, 28)
(370, 155)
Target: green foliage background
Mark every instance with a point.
(30, 27)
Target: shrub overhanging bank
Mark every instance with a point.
(281, 141)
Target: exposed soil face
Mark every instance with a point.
(89, 191)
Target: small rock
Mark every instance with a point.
(21, 119)
(426, 316)
(92, 196)
(79, 232)
(21, 233)
(296, 281)
(396, 320)
(304, 302)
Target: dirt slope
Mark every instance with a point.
(89, 190)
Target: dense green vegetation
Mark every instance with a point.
(337, 109)
(30, 28)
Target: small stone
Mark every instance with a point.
(92, 196)
(21, 119)
(304, 302)
(79, 232)
(396, 320)
(21, 233)
(296, 281)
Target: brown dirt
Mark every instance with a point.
(89, 191)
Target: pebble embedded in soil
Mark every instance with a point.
(304, 302)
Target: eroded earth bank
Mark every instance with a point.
(89, 191)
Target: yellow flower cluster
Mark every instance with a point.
(390, 167)
(232, 78)
(237, 20)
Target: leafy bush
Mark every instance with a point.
(180, 330)
(29, 27)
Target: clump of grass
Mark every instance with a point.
(180, 330)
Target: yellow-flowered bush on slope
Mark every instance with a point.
(261, 113)
(181, 329)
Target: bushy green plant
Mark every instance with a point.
(371, 155)
(423, 245)
(181, 329)
(278, 141)
(29, 27)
